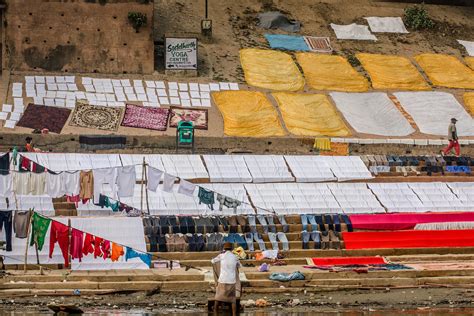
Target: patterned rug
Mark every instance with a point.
(145, 117)
(198, 117)
(93, 116)
(40, 116)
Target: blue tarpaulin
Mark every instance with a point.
(287, 42)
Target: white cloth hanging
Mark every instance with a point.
(21, 183)
(126, 177)
(168, 182)
(37, 183)
(6, 183)
(154, 178)
(186, 188)
(71, 183)
(54, 186)
(104, 176)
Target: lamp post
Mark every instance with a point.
(206, 24)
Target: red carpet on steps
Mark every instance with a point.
(409, 239)
(344, 261)
(401, 221)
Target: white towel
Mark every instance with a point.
(54, 187)
(126, 177)
(71, 183)
(186, 188)
(154, 177)
(168, 181)
(101, 177)
(6, 185)
(37, 183)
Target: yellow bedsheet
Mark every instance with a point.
(469, 102)
(392, 72)
(446, 71)
(470, 62)
(248, 114)
(330, 72)
(271, 69)
(310, 115)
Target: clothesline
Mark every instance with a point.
(147, 165)
(123, 245)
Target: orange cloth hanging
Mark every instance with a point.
(117, 252)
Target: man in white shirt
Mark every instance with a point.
(226, 290)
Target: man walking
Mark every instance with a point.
(226, 284)
(453, 139)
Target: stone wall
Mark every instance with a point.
(77, 36)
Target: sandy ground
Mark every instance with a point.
(235, 27)
(421, 300)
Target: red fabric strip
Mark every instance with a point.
(401, 221)
(409, 239)
(343, 261)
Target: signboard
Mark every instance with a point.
(181, 53)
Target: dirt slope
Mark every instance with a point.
(235, 27)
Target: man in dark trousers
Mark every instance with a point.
(453, 139)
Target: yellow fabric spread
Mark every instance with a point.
(330, 72)
(310, 115)
(322, 143)
(469, 102)
(392, 72)
(271, 69)
(470, 62)
(248, 114)
(446, 71)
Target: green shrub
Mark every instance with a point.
(137, 19)
(417, 18)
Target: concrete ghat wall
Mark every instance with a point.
(77, 36)
(217, 145)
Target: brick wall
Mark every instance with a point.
(77, 36)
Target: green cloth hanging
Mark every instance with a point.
(39, 228)
(114, 206)
(206, 197)
(15, 154)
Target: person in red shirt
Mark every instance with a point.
(29, 145)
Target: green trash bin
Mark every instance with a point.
(185, 135)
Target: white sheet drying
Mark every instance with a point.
(154, 178)
(386, 24)
(353, 32)
(372, 113)
(432, 112)
(103, 177)
(126, 177)
(469, 46)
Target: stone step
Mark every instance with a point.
(182, 286)
(293, 228)
(104, 278)
(11, 293)
(396, 255)
(296, 236)
(325, 275)
(293, 245)
(63, 205)
(67, 212)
